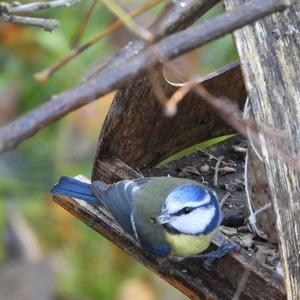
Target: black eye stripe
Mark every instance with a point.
(184, 211)
(181, 211)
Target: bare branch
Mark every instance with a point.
(128, 21)
(34, 6)
(47, 24)
(8, 13)
(111, 78)
(48, 72)
(82, 26)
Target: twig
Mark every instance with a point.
(47, 24)
(181, 92)
(77, 36)
(226, 109)
(217, 168)
(8, 13)
(47, 73)
(169, 104)
(34, 6)
(241, 285)
(127, 20)
(227, 196)
(112, 78)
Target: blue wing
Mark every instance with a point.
(118, 198)
(123, 200)
(132, 203)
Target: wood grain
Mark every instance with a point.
(270, 55)
(257, 187)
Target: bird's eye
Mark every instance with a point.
(186, 210)
(153, 220)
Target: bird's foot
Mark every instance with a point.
(211, 256)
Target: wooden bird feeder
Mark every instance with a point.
(137, 136)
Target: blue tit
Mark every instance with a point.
(166, 215)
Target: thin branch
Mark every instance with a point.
(241, 285)
(16, 8)
(47, 73)
(217, 168)
(47, 24)
(8, 13)
(128, 21)
(169, 104)
(78, 34)
(112, 78)
(179, 94)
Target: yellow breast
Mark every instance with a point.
(188, 245)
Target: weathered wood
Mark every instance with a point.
(270, 57)
(175, 17)
(138, 133)
(257, 187)
(259, 197)
(111, 169)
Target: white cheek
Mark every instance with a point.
(173, 205)
(194, 222)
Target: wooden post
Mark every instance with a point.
(270, 56)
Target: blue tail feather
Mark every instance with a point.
(71, 187)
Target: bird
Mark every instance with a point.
(168, 216)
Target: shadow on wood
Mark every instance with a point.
(138, 133)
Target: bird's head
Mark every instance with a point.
(190, 209)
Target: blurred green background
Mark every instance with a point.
(82, 263)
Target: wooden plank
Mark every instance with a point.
(258, 191)
(221, 282)
(270, 55)
(111, 169)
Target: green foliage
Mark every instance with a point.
(195, 148)
(219, 52)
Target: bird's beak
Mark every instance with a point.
(164, 218)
